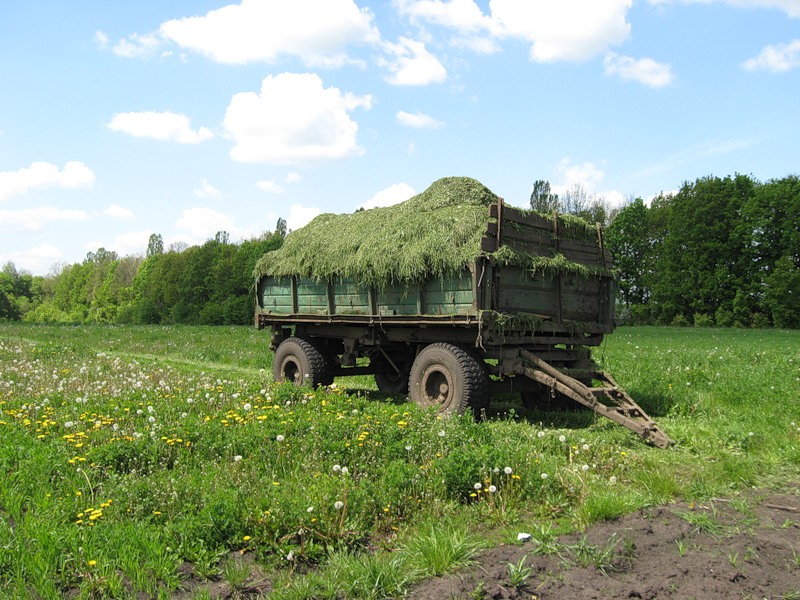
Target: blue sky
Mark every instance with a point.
(122, 119)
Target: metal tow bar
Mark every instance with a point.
(622, 409)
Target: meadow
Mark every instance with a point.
(161, 461)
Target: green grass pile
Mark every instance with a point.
(433, 234)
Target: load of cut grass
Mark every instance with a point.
(433, 234)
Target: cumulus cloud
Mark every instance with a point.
(417, 120)
(300, 215)
(644, 70)
(463, 15)
(206, 190)
(160, 126)
(394, 194)
(293, 177)
(117, 212)
(294, 119)
(316, 31)
(44, 175)
(34, 219)
(37, 260)
(573, 30)
(201, 224)
(410, 63)
(568, 174)
(777, 58)
(124, 244)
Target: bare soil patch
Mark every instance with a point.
(746, 546)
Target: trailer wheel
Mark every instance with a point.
(300, 362)
(388, 380)
(447, 377)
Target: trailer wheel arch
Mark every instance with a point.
(449, 378)
(300, 361)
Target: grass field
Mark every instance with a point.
(150, 460)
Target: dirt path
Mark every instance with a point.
(743, 547)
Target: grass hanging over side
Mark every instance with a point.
(435, 233)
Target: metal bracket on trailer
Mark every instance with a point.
(621, 408)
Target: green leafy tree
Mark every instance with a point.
(782, 298)
(542, 197)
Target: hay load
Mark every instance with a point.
(431, 235)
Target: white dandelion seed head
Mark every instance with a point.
(139, 411)
(540, 434)
(338, 505)
(585, 468)
(237, 458)
(337, 468)
(279, 438)
(585, 447)
(408, 448)
(151, 419)
(345, 470)
(544, 475)
(612, 480)
(247, 407)
(441, 433)
(478, 486)
(310, 509)
(492, 489)
(562, 438)
(508, 470)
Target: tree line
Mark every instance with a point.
(210, 284)
(719, 251)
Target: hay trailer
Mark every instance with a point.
(489, 299)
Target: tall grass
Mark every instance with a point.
(134, 458)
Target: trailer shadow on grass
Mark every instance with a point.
(502, 406)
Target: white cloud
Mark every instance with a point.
(574, 30)
(44, 175)
(294, 119)
(417, 120)
(201, 224)
(394, 194)
(160, 126)
(644, 70)
(36, 260)
(411, 64)
(293, 177)
(117, 212)
(33, 219)
(463, 15)
(790, 7)
(568, 174)
(777, 58)
(138, 46)
(269, 186)
(316, 31)
(300, 215)
(124, 244)
(206, 190)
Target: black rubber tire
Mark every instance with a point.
(449, 378)
(300, 362)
